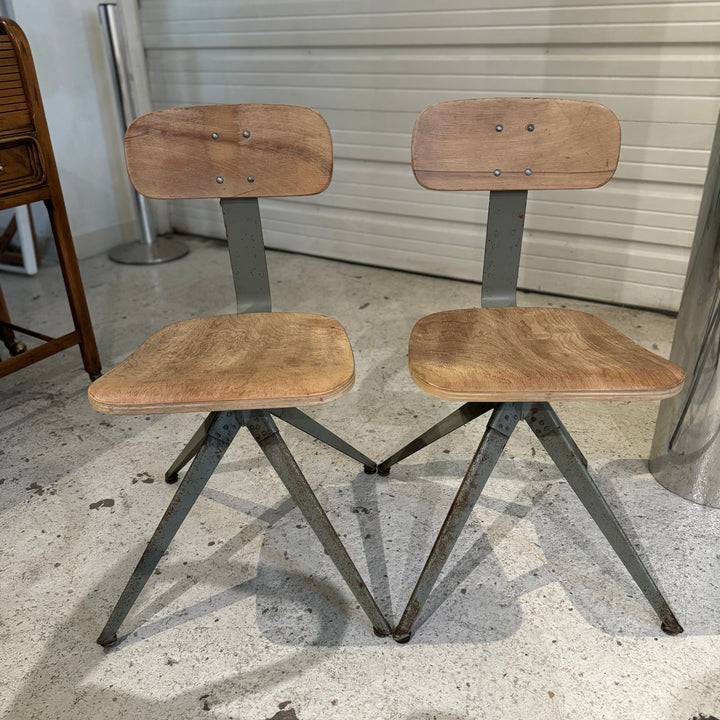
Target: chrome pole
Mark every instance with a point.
(149, 248)
(685, 456)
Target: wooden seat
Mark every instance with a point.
(511, 361)
(511, 354)
(231, 362)
(244, 369)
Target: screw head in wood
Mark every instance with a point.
(219, 180)
(246, 133)
(499, 128)
(214, 136)
(530, 127)
(251, 179)
(528, 171)
(496, 173)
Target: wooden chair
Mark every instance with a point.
(242, 368)
(510, 361)
(28, 174)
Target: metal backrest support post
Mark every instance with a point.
(247, 254)
(503, 242)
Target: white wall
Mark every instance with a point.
(370, 66)
(72, 67)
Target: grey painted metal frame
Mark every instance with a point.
(311, 427)
(462, 416)
(491, 446)
(210, 441)
(503, 242)
(506, 217)
(562, 449)
(247, 254)
(557, 442)
(267, 436)
(190, 450)
(219, 435)
(252, 291)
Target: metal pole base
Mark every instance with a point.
(138, 253)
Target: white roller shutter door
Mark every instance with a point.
(370, 67)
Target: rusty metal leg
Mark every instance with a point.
(190, 450)
(559, 445)
(265, 432)
(220, 435)
(499, 428)
(462, 416)
(304, 422)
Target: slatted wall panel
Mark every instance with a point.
(370, 66)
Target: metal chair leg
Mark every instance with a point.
(221, 433)
(462, 416)
(561, 448)
(190, 450)
(499, 428)
(265, 432)
(304, 422)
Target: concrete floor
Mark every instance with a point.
(534, 616)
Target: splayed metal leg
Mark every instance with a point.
(265, 432)
(559, 445)
(462, 416)
(190, 450)
(500, 427)
(298, 419)
(220, 434)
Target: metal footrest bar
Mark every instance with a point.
(462, 416)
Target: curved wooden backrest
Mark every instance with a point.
(229, 151)
(515, 144)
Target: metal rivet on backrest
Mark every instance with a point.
(219, 180)
(528, 171)
(530, 127)
(499, 128)
(496, 173)
(251, 179)
(246, 133)
(214, 136)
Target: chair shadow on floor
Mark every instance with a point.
(389, 524)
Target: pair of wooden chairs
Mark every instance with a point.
(501, 360)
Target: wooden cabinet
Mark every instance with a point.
(28, 174)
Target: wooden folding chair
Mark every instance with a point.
(241, 368)
(510, 361)
(28, 174)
